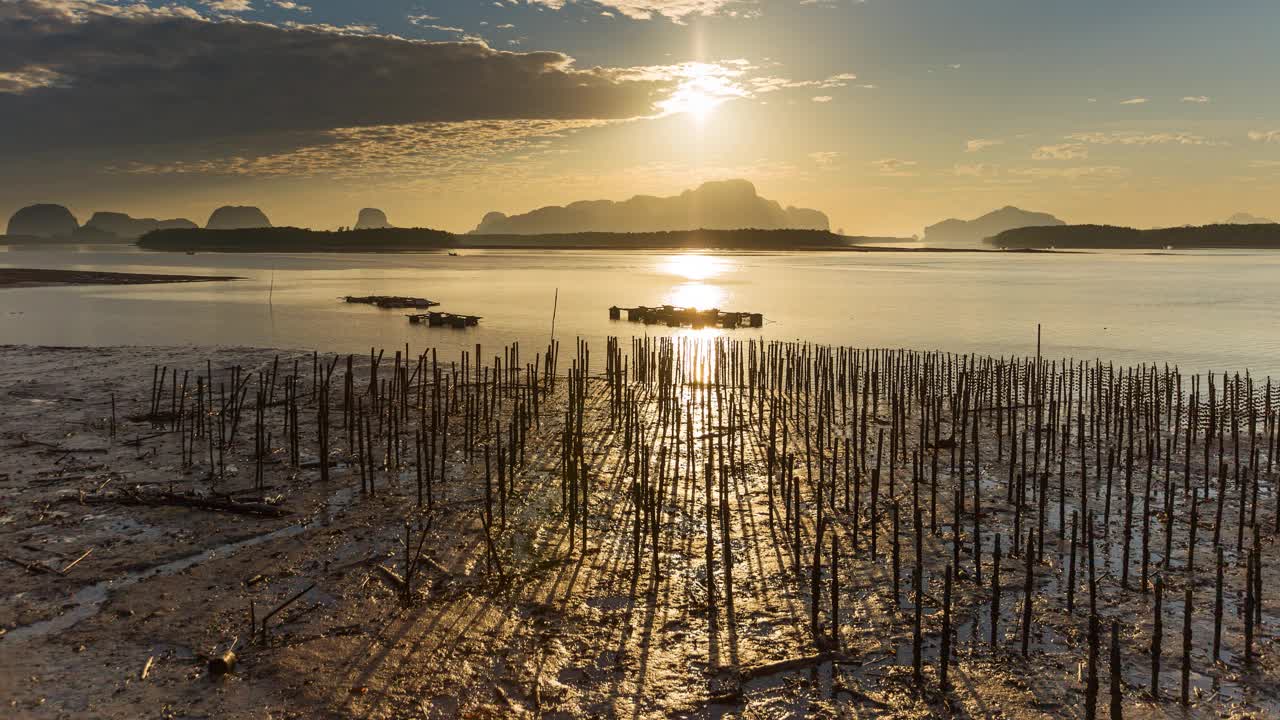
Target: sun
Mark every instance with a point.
(703, 87)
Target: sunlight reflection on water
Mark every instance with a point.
(1200, 310)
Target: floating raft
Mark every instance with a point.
(673, 316)
(441, 319)
(392, 302)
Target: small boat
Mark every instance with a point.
(453, 254)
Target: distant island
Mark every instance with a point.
(1110, 237)
(237, 217)
(993, 223)
(1244, 218)
(122, 226)
(51, 223)
(718, 205)
(291, 239)
(372, 219)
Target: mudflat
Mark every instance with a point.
(39, 277)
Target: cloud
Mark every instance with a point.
(1134, 101)
(388, 154)
(979, 144)
(895, 167)
(1201, 99)
(975, 170)
(821, 98)
(78, 73)
(676, 10)
(442, 28)
(767, 83)
(840, 80)
(1265, 136)
(228, 6)
(1072, 173)
(699, 86)
(1067, 151)
(29, 77)
(825, 158)
(1140, 138)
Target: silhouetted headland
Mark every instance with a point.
(993, 223)
(1110, 237)
(718, 205)
(291, 239)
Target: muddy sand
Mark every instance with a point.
(132, 550)
(34, 277)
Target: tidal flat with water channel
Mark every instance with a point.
(649, 527)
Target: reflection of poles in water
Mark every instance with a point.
(555, 305)
(271, 308)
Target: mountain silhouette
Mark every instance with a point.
(717, 205)
(1244, 218)
(43, 220)
(372, 219)
(1251, 236)
(989, 225)
(125, 227)
(237, 217)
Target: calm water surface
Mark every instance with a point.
(1202, 311)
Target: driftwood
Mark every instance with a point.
(75, 562)
(396, 582)
(129, 497)
(746, 675)
(282, 606)
(36, 566)
(798, 663)
(30, 566)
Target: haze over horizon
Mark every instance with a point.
(438, 113)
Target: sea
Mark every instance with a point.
(1201, 311)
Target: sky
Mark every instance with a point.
(888, 115)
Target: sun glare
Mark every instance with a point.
(694, 266)
(703, 87)
(696, 295)
(696, 270)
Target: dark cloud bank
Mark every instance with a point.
(76, 73)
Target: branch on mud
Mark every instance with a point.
(130, 497)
